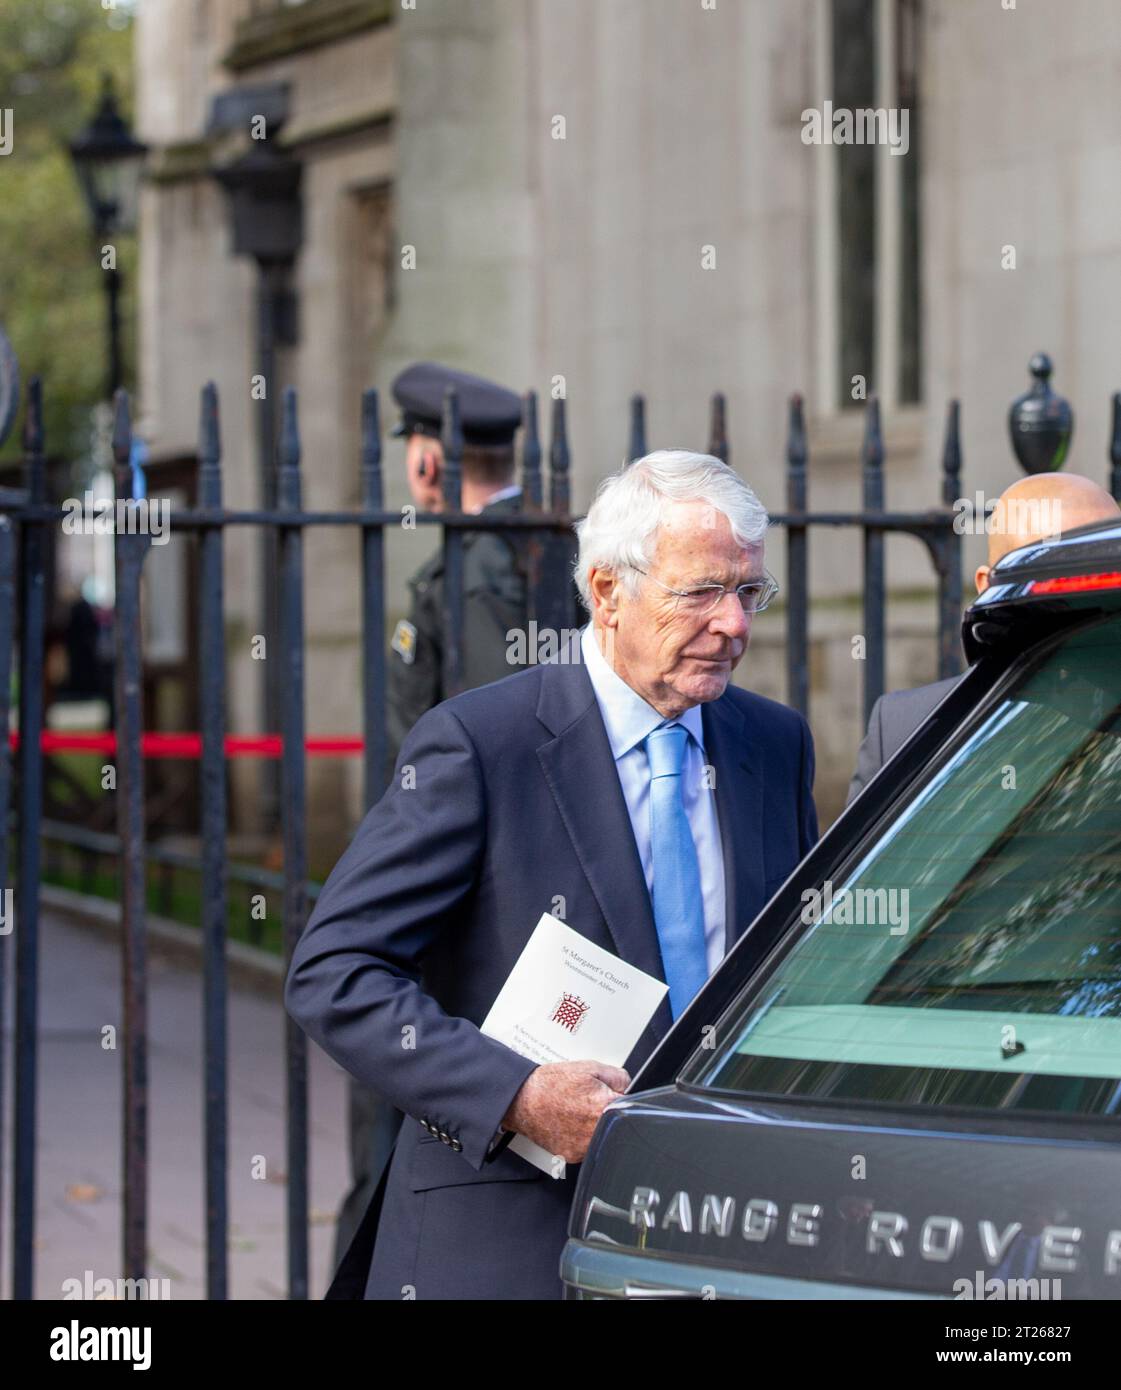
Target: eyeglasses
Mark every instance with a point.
(702, 599)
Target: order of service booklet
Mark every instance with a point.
(567, 999)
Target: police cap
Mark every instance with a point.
(488, 413)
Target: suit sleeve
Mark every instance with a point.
(870, 757)
(807, 810)
(354, 980)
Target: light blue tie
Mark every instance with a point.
(678, 906)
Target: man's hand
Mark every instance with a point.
(559, 1104)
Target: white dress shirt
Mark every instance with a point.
(628, 719)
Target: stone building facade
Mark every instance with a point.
(617, 195)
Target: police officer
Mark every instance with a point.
(493, 578)
(494, 602)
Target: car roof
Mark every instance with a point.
(1078, 551)
(1035, 591)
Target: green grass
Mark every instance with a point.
(173, 893)
(84, 769)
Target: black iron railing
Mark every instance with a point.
(545, 540)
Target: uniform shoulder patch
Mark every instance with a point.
(404, 641)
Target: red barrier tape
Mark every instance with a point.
(190, 745)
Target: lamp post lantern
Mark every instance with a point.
(108, 161)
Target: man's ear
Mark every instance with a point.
(981, 578)
(604, 587)
(433, 468)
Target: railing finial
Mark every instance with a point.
(210, 448)
(531, 452)
(372, 492)
(451, 437)
(559, 459)
(636, 446)
(718, 427)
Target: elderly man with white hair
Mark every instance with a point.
(627, 787)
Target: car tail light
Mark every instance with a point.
(1076, 583)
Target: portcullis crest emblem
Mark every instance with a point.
(404, 641)
(569, 1012)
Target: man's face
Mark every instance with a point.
(671, 654)
(423, 470)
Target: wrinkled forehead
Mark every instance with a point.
(695, 540)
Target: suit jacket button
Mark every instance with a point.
(456, 1145)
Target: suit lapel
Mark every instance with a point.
(580, 772)
(581, 775)
(734, 755)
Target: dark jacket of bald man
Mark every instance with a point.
(894, 719)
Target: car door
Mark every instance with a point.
(918, 1091)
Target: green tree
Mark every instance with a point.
(52, 295)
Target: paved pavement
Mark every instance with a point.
(78, 1197)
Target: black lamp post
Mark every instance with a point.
(266, 219)
(108, 161)
(263, 187)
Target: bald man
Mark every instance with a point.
(1035, 508)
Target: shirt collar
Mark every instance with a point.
(500, 496)
(626, 715)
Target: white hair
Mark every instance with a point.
(618, 531)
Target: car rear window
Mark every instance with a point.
(972, 957)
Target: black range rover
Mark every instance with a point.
(905, 1079)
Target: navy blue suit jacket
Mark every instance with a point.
(504, 800)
